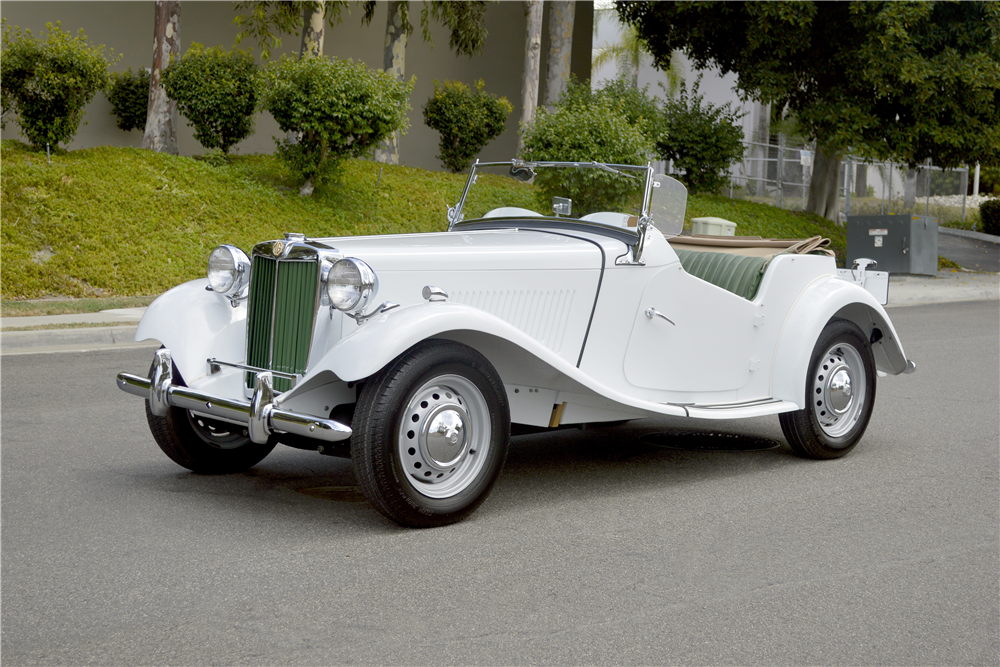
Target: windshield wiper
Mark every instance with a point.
(604, 167)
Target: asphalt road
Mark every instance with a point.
(971, 253)
(594, 547)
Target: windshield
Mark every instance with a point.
(561, 189)
(667, 205)
(613, 195)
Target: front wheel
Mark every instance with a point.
(840, 395)
(202, 444)
(431, 432)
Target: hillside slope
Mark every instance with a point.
(122, 221)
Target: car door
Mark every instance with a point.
(691, 336)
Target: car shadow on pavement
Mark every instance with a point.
(306, 491)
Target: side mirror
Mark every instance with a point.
(562, 206)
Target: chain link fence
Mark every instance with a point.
(779, 174)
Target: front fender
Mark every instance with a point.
(519, 358)
(370, 347)
(815, 307)
(195, 324)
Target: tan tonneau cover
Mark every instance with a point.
(752, 246)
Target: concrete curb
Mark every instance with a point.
(979, 236)
(59, 340)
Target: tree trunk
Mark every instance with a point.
(824, 187)
(910, 190)
(560, 49)
(861, 181)
(311, 47)
(161, 118)
(532, 56)
(312, 31)
(394, 62)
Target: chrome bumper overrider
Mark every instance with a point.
(260, 415)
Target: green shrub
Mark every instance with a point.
(338, 108)
(702, 139)
(48, 81)
(989, 180)
(129, 97)
(216, 91)
(635, 104)
(594, 132)
(467, 121)
(989, 215)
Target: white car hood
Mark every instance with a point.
(493, 250)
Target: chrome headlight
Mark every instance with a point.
(228, 269)
(351, 284)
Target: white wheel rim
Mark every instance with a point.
(218, 434)
(839, 390)
(444, 436)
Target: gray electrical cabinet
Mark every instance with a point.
(899, 243)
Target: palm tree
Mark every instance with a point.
(630, 53)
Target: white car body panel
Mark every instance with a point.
(561, 320)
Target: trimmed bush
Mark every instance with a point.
(338, 108)
(467, 121)
(48, 81)
(216, 91)
(129, 97)
(702, 139)
(989, 214)
(635, 104)
(586, 133)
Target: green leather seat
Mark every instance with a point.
(738, 274)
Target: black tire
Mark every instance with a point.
(842, 367)
(431, 432)
(203, 445)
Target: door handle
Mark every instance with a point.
(653, 312)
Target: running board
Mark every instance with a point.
(760, 408)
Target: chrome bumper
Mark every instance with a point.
(260, 415)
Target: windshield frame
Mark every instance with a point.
(642, 173)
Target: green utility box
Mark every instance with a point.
(899, 243)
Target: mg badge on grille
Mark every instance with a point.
(277, 248)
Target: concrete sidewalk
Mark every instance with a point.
(116, 328)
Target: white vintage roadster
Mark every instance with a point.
(414, 354)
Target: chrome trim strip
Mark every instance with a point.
(253, 369)
(730, 406)
(260, 414)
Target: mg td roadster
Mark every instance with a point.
(414, 354)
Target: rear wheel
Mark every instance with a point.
(202, 444)
(840, 393)
(431, 432)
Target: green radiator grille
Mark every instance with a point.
(280, 316)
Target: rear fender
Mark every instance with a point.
(815, 307)
(195, 324)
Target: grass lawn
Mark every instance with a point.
(123, 222)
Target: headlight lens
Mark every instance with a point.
(351, 284)
(228, 268)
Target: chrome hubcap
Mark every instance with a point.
(444, 442)
(839, 390)
(444, 436)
